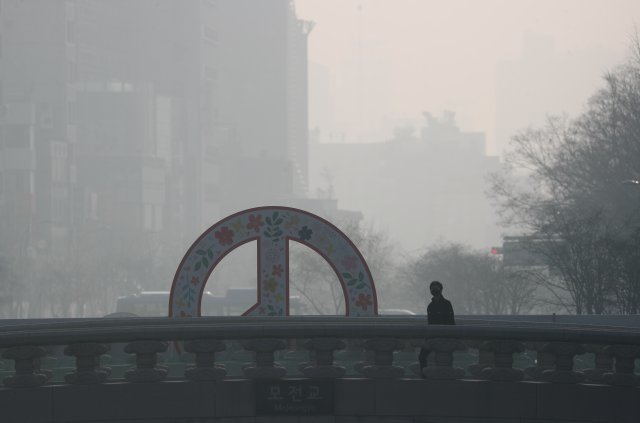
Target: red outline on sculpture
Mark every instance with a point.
(258, 239)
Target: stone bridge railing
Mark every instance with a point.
(538, 372)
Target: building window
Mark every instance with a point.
(212, 193)
(71, 32)
(210, 73)
(71, 71)
(158, 218)
(210, 34)
(148, 217)
(152, 218)
(72, 112)
(16, 136)
(58, 161)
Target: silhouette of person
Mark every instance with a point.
(439, 312)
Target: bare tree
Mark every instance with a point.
(475, 283)
(574, 204)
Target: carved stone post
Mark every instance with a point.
(369, 357)
(87, 363)
(321, 350)
(382, 349)
(26, 365)
(603, 362)
(265, 366)
(564, 353)
(444, 348)
(485, 357)
(205, 367)
(625, 356)
(50, 359)
(415, 344)
(147, 369)
(356, 354)
(502, 370)
(544, 360)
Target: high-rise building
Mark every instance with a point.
(155, 117)
(37, 125)
(423, 189)
(263, 97)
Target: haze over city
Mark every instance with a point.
(500, 66)
(319, 211)
(387, 61)
(129, 127)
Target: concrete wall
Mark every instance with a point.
(355, 401)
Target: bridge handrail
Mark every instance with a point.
(69, 331)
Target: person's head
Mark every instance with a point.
(436, 288)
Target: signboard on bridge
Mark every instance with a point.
(298, 397)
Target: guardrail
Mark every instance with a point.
(319, 347)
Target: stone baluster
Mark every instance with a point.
(369, 357)
(382, 350)
(354, 350)
(87, 363)
(603, 362)
(147, 369)
(485, 357)
(502, 369)
(321, 354)
(563, 371)
(264, 366)
(297, 352)
(356, 354)
(625, 357)
(443, 349)
(48, 358)
(415, 344)
(205, 368)
(26, 366)
(544, 360)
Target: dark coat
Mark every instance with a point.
(440, 312)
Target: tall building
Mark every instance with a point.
(263, 90)
(154, 118)
(38, 126)
(422, 189)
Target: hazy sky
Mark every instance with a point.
(389, 60)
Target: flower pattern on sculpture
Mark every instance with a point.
(225, 236)
(273, 229)
(277, 270)
(364, 301)
(292, 222)
(255, 221)
(270, 285)
(272, 254)
(237, 225)
(305, 233)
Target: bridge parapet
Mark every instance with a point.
(370, 363)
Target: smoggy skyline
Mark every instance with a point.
(377, 64)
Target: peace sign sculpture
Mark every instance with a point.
(272, 228)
